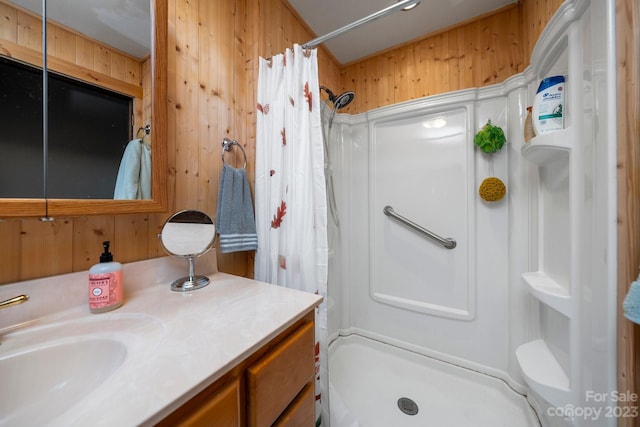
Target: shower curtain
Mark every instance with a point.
(290, 193)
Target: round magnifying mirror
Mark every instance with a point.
(188, 234)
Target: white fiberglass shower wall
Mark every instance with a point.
(480, 304)
(404, 288)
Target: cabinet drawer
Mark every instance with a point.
(277, 378)
(301, 412)
(214, 406)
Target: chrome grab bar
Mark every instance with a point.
(448, 243)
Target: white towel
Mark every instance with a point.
(134, 176)
(235, 220)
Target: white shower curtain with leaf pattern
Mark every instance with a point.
(290, 192)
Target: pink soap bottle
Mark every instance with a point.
(105, 283)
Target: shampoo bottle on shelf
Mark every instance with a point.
(105, 283)
(548, 105)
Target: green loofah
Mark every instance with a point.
(490, 138)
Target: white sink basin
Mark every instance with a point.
(51, 369)
(35, 385)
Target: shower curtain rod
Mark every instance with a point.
(379, 14)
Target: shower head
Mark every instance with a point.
(341, 100)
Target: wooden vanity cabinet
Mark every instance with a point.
(218, 405)
(301, 412)
(272, 387)
(274, 381)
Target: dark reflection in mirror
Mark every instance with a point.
(21, 172)
(89, 129)
(95, 57)
(84, 127)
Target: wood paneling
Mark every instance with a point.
(279, 27)
(535, 16)
(478, 53)
(10, 251)
(481, 52)
(45, 246)
(628, 46)
(212, 72)
(120, 84)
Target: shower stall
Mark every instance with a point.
(408, 326)
(513, 325)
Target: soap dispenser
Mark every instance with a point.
(105, 283)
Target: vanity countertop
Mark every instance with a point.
(180, 342)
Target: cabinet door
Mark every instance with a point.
(215, 406)
(276, 379)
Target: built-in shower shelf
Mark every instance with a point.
(549, 292)
(543, 373)
(543, 149)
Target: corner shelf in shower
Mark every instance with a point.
(543, 373)
(540, 368)
(549, 292)
(543, 149)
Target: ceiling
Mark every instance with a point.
(123, 24)
(324, 16)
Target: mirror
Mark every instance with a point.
(188, 234)
(144, 83)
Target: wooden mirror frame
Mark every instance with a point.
(33, 207)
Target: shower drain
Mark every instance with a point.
(407, 406)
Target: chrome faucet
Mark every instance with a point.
(14, 301)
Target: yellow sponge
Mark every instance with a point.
(492, 189)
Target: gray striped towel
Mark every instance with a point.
(235, 221)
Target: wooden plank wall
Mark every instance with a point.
(478, 53)
(206, 71)
(482, 52)
(212, 71)
(280, 27)
(628, 48)
(535, 15)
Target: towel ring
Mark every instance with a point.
(226, 146)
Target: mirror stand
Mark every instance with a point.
(191, 282)
(188, 234)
